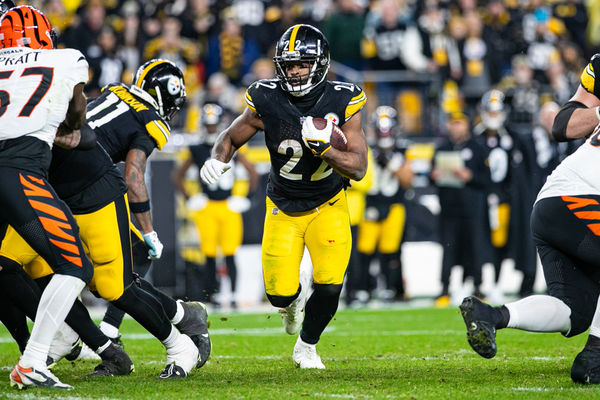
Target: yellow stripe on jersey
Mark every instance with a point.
(293, 38)
(249, 102)
(138, 83)
(588, 77)
(355, 104)
(159, 132)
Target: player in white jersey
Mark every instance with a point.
(565, 224)
(41, 99)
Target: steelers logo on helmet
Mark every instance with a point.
(160, 82)
(173, 85)
(306, 47)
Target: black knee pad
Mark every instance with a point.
(281, 301)
(327, 289)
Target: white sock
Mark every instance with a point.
(55, 303)
(103, 347)
(595, 327)
(539, 313)
(109, 330)
(173, 342)
(178, 315)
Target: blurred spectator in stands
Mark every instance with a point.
(393, 42)
(199, 22)
(171, 46)
(59, 18)
(574, 16)
(261, 69)
(476, 78)
(343, 28)
(442, 47)
(220, 90)
(522, 96)
(541, 51)
(503, 36)
(131, 40)
(105, 64)
(571, 57)
(258, 20)
(559, 84)
(462, 176)
(84, 33)
(230, 52)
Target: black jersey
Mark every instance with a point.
(221, 189)
(123, 122)
(386, 189)
(299, 181)
(86, 180)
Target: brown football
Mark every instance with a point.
(338, 139)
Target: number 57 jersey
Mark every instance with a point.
(299, 181)
(36, 87)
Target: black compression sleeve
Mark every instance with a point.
(559, 128)
(88, 138)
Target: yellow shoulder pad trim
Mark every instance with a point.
(249, 101)
(588, 78)
(355, 104)
(159, 132)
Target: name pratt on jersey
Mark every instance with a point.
(128, 98)
(20, 60)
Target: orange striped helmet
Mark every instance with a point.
(25, 26)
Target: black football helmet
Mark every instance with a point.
(301, 43)
(6, 5)
(160, 82)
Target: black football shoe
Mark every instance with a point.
(115, 362)
(172, 371)
(195, 324)
(480, 319)
(586, 367)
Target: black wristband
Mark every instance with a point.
(139, 207)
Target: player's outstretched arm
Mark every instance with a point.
(577, 118)
(75, 117)
(353, 162)
(235, 136)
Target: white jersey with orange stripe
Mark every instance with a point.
(36, 87)
(578, 173)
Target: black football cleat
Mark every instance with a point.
(115, 362)
(481, 328)
(586, 367)
(195, 324)
(172, 371)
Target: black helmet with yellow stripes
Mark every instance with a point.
(160, 82)
(302, 44)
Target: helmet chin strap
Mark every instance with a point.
(146, 96)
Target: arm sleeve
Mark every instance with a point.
(143, 142)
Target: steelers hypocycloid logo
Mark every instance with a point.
(174, 85)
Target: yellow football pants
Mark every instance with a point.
(218, 226)
(324, 230)
(385, 235)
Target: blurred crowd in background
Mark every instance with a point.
(478, 81)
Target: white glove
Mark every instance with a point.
(156, 247)
(317, 140)
(212, 170)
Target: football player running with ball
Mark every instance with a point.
(306, 200)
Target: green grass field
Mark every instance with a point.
(369, 354)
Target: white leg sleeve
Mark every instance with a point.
(55, 303)
(595, 327)
(540, 313)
